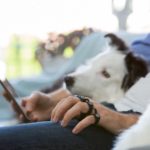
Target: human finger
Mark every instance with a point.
(18, 111)
(54, 110)
(33, 117)
(23, 102)
(29, 103)
(62, 107)
(28, 107)
(78, 109)
(87, 121)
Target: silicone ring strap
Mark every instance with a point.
(96, 116)
(89, 103)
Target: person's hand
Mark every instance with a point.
(37, 107)
(71, 107)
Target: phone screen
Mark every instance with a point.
(12, 96)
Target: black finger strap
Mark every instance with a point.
(91, 111)
(89, 103)
(96, 116)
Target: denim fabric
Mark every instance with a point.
(142, 47)
(51, 136)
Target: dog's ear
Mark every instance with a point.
(117, 42)
(137, 67)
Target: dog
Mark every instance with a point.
(136, 136)
(110, 74)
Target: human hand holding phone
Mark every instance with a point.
(11, 96)
(36, 107)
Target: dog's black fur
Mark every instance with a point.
(136, 65)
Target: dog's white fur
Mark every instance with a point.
(136, 136)
(107, 76)
(92, 80)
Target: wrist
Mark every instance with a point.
(114, 121)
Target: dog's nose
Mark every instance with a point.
(69, 81)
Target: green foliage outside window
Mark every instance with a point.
(20, 57)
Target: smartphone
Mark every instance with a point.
(11, 93)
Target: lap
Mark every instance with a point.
(51, 136)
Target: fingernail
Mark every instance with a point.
(63, 124)
(55, 120)
(74, 131)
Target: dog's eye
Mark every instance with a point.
(105, 74)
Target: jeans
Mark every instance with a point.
(51, 136)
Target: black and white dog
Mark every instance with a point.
(107, 77)
(110, 74)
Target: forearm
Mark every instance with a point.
(114, 121)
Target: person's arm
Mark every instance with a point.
(114, 121)
(72, 107)
(58, 95)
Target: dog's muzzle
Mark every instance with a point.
(69, 81)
